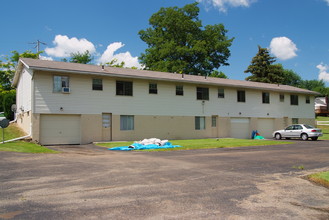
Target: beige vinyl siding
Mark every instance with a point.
(83, 100)
(23, 97)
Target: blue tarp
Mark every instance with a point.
(136, 146)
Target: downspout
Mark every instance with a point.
(19, 138)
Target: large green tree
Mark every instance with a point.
(263, 69)
(177, 42)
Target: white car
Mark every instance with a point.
(298, 131)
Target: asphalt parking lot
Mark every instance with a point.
(88, 182)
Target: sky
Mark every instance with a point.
(296, 32)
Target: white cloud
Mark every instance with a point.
(327, 2)
(45, 58)
(222, 5)
(64, 46)
(126, 57)
(323, 72)
(283, 48)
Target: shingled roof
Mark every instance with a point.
(77, 68)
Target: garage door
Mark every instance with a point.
(59, 129)
(240, 128)
(265, 127)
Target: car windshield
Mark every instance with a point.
(308, 126)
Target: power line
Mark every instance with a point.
(37, 45)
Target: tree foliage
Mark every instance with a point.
(8, 99)
(7, 67)
(177, 42)
(263, 69)
(291, 78)
(218, 74)
(78, 57)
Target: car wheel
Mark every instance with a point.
(277, 136)
(304, 137)
(314, 138)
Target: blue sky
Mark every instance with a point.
(295, 31)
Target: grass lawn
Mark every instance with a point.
(324, 128)
(205, 143)
(24, 147)
(320, 178)
(12, 131)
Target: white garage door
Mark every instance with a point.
(240, 128)
(265, 127)
(59, 129)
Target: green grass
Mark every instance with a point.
(322, 118)
(325, 131)
(24, 147)
(205, 143)
(12, 131)
(320, 178)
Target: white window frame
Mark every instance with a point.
(200, 122)
(60, 82)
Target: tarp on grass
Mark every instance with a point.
(137, 146)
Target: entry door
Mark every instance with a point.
(107, 126)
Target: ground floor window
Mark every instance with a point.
(126, 122)
(295, 120)
(200, 123)
(213, 121)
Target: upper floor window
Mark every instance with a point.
(179, 90)
(97, 84)
(266, 97)
(124, 88)
(221, 93)
(60, 82)
(294, 99)
(202, 93)
(153, 88)
(241, 96)
(281, 97)
(307, 100)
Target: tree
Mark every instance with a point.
(291, 78)
(177, 42)
(81, 57)
(114, 63)
(218, 74)
(263, 69)
(7, 67)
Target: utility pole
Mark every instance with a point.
(37, 45)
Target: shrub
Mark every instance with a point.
(8, 99)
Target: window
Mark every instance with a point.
(295, 120)
(97, 84)
(266, 97)
(281, 98)
(60, 82)
(200, 123)
(294, 99)
(153, 88)
(221, 93)
(241, 96)
(202, 93)
(307, 100)
(213, 121)
(124, 88)
(179, 90)
(126, 122)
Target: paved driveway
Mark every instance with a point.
(92, 183)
